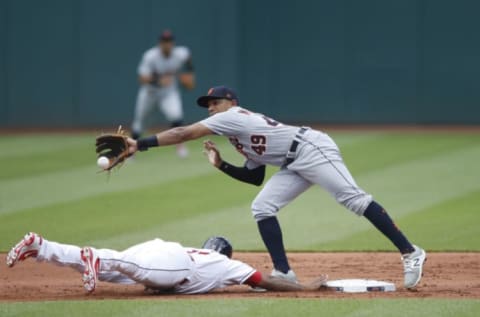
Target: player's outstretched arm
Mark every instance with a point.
(272, 283)
(169, 137)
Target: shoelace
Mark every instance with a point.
(408, 265)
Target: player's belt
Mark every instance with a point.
(292, 152)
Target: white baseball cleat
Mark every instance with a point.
(290, 275)
(27, 247)
(92, 264)
(413, 266)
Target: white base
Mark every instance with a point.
(360, 286)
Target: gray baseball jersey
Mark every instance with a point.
(259, 138)
(167, 99)
(317, 160)
(154, 61)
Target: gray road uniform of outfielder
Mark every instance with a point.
(315, 160)
(166, 98)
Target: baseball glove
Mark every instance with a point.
(114, 146)
(155, 81)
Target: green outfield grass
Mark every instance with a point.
(248, 307)
(429, 183)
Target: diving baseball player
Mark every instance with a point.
(305, 157)
(159, 71)
(161, 266)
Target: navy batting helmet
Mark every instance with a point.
(219, 244)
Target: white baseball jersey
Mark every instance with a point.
(213, 270)
(157, 264)
(154, 61)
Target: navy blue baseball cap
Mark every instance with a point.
(166, 36)
(218, 92)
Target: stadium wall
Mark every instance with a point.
(72, 63)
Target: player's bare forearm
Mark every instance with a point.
(272, 283)
(182, 134)
(187, 76)
(172, 136)
(187, 80)
(145, 79)
(279, 285)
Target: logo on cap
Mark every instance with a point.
(210, 91)
(166, 36)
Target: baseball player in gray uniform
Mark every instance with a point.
(159, 71)
(305, 157)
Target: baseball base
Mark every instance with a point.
(360, 286)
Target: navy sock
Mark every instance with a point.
(272, 237)
(136, 135)
(382, 221)
(177, 123)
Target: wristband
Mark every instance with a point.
(224, 166)
(144, 143)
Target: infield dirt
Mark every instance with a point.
(446, 275)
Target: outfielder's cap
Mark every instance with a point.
(166, 35)
(218, 92)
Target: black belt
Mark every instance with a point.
(291, 154)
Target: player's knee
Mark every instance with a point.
(357, 202)
(262, 210)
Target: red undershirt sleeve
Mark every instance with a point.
(254, 279)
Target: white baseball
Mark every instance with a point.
(103, 162)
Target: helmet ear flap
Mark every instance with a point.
(219, 244)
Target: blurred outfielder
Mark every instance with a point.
(159, 72)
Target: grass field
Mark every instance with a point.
(428, 181)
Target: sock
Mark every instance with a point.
(272, 237)
(176, 123)
(136, 135)
(382, 221)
